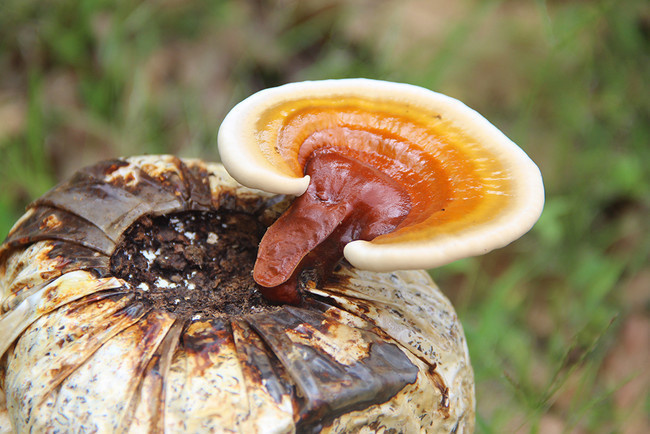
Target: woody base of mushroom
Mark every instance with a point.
(84, 349)
(347, 199)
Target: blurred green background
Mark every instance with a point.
(558, 323)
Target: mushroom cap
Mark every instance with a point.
(473, 189)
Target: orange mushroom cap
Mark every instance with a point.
(471, 188)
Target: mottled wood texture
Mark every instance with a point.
(81, 348)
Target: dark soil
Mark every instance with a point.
(197, 265)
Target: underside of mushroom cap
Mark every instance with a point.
(472, 188)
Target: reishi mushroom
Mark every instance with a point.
(391, 176)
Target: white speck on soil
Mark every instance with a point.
(149, 256)
(164, 283)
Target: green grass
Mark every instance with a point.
(545, 317)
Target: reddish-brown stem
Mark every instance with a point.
(347, 199)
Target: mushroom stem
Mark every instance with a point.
(347, 199)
